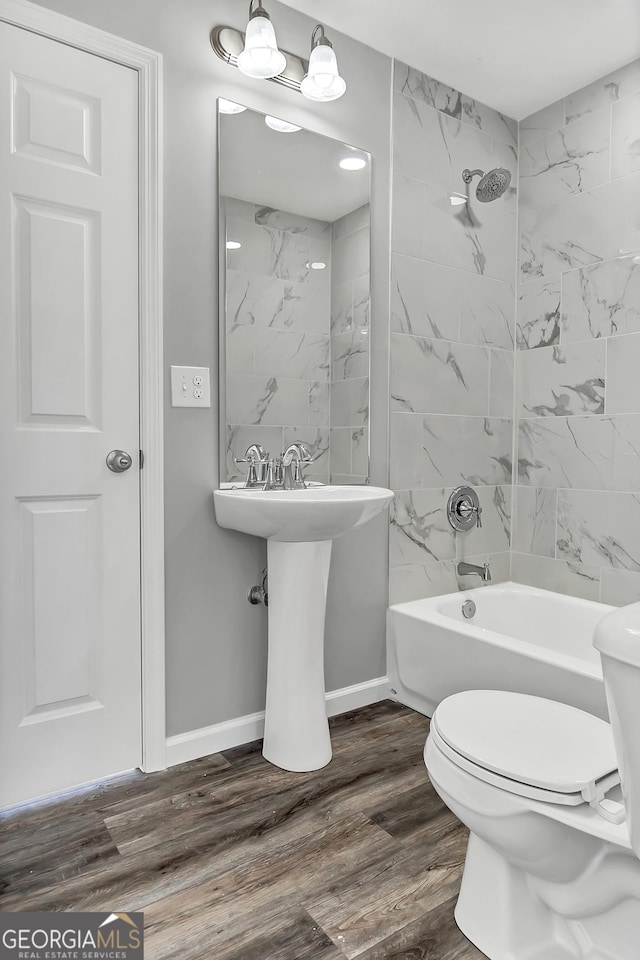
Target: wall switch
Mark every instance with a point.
(190, 387)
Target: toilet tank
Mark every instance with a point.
(617, 637)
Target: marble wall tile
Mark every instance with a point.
(360, 451)
(415, 581)
(494, 536)
(501, 366)
(538, 318)
(268, 253)
(350, 403)
(350, 355)
(253, 300)
(570, 577)
(599, 528)
(361, 302)
(418, 580)
(570, 160)
(534, 523)
(424, 298)
(292, 223)
(623, 379)
(267, 400)
(279, 353)
(580, 230)
(435, 148)
(615, 86)
(478, 237)
(407, 228)
(412, 83)
(457, 450)
(340, 450)
(342, 308)
(542, 123)
(351, 256)
(319, 400)
(602, 300)
(419, 530)
(405, 451)
(239, 438)
(317, 440)
(351, 222)
(592, 453)
(561, 381)
(240, 350)
(433, 376)
(487, 311)
(277, 219)
(625, 136)
(619, 587)
(305, 308)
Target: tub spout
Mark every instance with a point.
(464, 569)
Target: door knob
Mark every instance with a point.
(119, 461)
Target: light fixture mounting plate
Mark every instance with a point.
(228, 44)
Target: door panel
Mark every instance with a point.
(70, 653)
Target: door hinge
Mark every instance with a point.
(141, 460)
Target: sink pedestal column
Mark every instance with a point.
(296, 731)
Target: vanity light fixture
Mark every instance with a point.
(228, 106)
(322, 82)
(353, 163)
(233, 245)
(260, 58)
(281, 126)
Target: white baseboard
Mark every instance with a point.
(233, 733)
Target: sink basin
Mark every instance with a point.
(317, 513)
(299, 527)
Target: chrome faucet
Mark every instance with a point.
(276, 473)
(258, 460)
(292, 459)
(464, 569)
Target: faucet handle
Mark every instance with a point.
(253, 454)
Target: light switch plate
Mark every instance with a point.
(190, 387)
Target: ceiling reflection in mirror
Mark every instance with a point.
(294, 209)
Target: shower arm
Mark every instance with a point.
(468, 175)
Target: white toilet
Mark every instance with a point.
(551, 796)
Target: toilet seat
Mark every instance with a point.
(530, 746)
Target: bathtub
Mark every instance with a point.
(521, 638)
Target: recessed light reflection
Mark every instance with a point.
(233, 245)
(316, 265)
(281, 126)
(353, 163)
(457, 199)
(228, 106)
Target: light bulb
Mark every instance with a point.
(281, 126)
(353, 163)
(261, 57)
(322, 81)
(228, 106)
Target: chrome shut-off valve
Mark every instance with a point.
(463, 509)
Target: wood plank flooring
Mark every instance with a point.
(233, 859)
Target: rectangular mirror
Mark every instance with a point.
(295, 256)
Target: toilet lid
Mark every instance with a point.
(535, 741)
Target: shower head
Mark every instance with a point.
(492, 185)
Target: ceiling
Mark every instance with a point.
(294, 172)
(514, 55)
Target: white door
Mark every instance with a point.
(70, 652)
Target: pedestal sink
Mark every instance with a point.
(299, 526)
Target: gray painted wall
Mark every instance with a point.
(216, 642)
